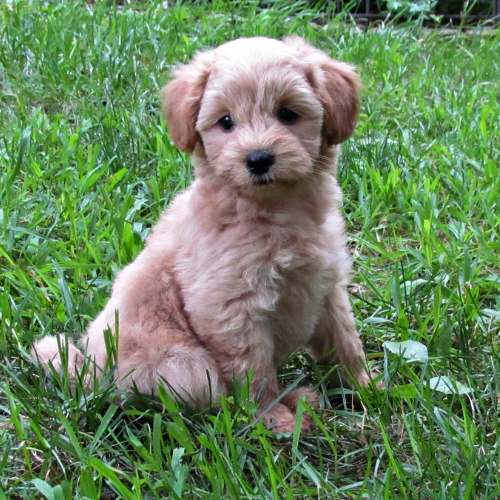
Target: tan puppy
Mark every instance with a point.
(249, 263)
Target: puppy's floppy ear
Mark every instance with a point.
(336, 84)
(182, 97)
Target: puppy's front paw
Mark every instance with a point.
(364, 379)
(281, 419)
(308, 394)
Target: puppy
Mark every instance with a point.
(249, 263)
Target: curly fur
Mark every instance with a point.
(237, 275)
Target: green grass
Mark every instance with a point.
(86, 168)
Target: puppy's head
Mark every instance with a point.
(258, 111)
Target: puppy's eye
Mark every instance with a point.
(226, 123)
(287, 115)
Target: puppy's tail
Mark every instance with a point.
(58, 353)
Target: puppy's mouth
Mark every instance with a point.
(266, 181)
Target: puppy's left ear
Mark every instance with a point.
(336, 84)
(182, 98)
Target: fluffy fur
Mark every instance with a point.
(242, 269)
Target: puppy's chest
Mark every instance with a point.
(290, 257)
(286, 276)
(300, 297)
(273, 276)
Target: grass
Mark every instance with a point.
(85, 170)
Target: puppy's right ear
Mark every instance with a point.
(182, 97)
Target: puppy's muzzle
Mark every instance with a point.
(259, 161)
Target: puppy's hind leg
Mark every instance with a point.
(336, 340)
(157, 345)
(192, 378)
(185, 369)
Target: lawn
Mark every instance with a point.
(86, 167)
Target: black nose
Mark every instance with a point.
(259, 161)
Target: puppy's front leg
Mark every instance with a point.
(336, 340)
(252, 350)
